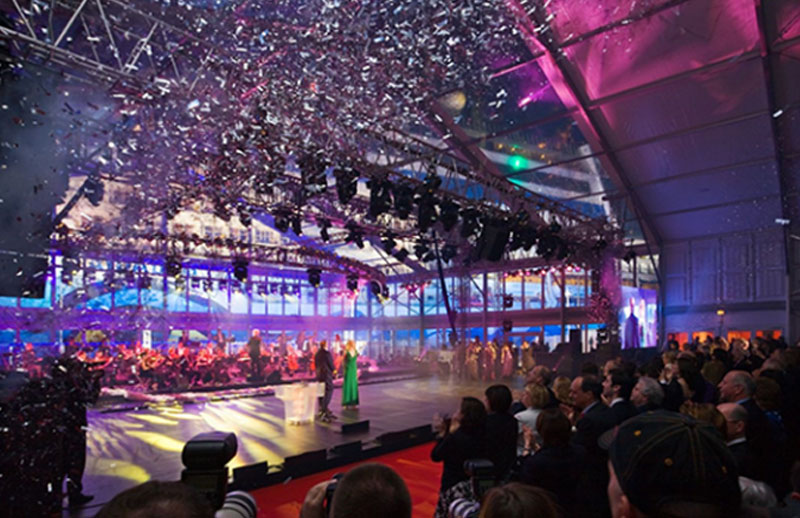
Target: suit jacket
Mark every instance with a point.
(455, 448)
(556, 469)
(623, 410)
(323, 365)
(592, 499)
(591, 426)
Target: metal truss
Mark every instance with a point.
(109, 41)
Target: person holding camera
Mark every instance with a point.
(365, 491)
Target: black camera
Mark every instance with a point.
(329, 493)
(205, 457)
(481, 476)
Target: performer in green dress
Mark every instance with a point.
(350, 384)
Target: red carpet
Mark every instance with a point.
(414, 464)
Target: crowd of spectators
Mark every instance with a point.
(710, 430)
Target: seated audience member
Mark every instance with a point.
(501, 430)
(695, 386)
(154, 498)
(366, 491)
(543, 376)
(535, 398)
(461, 440)
(557, 465)
(647, 394)
(653, 465)
(617, 388)
(518, 500)
(592, 418)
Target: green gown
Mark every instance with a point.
(350, 384)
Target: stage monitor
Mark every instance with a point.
(638, 318)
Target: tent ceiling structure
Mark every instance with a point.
(652, 121)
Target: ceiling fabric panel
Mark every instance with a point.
(730, 218)
(671, 42)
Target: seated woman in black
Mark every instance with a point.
(462, 440)
(557, 466)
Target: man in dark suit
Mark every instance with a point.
(631, 336)
(763, 440)
(323, 366)
(617, 388)
(254, 351)
(735, 422)
(501, 429)
(591, 418)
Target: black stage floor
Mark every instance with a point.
(127, 448)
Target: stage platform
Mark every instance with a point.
(127, 448)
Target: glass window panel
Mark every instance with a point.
(176, 295)
(361, 302)
(431, 295)
(291, 299)
(552, 289)
(476, 294)
(533, 292)
(494, 281)
(403, 300)
(258, 295)
(323, 292)
(274, 298)
(307, 300)
(576, 289)
(239, 301)
(514, 289)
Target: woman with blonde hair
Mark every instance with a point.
(350, 381)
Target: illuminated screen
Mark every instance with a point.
(639, 330)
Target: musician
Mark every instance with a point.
(254, 348)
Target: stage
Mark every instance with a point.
(127, 448)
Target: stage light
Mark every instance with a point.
(517, 163)
(431, 184)
(375, 288)
(421, 249)
(314, 277)
(449, 252)
(630, 255)
(240, 269)
(352, 282)
(346, 183)
(508, 301)
(296, 223)
(388, 242)
(401, 255)
(281, 220)
(470, 222)
(403, 200)
(448, 214)
(221, 210)
(312, 167)
(173, 267)
(245, 218)
(355, 235)
(324, 225)
(426, 213)
(380, 196)
(94, 189)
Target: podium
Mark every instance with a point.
(300, 400)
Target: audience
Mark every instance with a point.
(518, 500)
(647, 394)
(617, 388)
(366, 491)
(501, 430)
(654, 465)
(154, 498)
(558, 464)
(460, 439)
(535, 397)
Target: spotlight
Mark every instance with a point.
(426, 213)
(296, 222)
(352, 282)
(431, 184)
(355, 235)
(346, 183)
(449, 252)
(375, 288)
(388, 242)
(314, 277)
(470, 222)
(173, 267)
(421, 249)
(245, 218)
(401, 255)
(629, 256)
(508, 301)
(403, 200)
(324, 225)
(448, 214)
(281, 219)
(380, 196)
(94, 189)
(240, 269)
(312, 171)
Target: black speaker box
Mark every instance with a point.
(305, 463)
(492, 241)
(357, 427)
(250, 477)
(348, 449)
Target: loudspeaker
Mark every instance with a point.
(508, 325)
(418, 434)
(250, 477)
(493, 239)
(358, 427)
(305, 463)
(348, 449)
